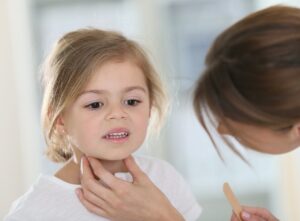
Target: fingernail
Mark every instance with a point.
(246, 215)
(81, 164)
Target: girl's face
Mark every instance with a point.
(262, 139)
(109, 119)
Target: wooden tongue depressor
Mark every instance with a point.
(232, 200)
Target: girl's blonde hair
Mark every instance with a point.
(71, 65)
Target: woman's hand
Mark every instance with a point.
(255, 214)
(119, 200)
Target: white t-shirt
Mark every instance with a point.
(52, 199)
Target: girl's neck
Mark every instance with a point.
(70, 172)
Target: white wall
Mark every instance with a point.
(265, 3)
(19, 136)
(9, 132)
(289, 185)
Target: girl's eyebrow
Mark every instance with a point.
(128, 89)
(135, 88)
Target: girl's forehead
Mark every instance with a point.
(117, 60)
(133, 63)
(117, 76)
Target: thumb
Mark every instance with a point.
(249, 217)
(85, 169)
(137, 174)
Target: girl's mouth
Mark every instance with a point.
(117, 136)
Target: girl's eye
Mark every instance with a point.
(94, 105)
(132, 102)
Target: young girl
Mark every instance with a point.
(100, 92)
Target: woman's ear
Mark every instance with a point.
(296, 130)
(222, 128)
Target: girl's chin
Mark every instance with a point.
(110, 158)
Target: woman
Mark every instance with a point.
(250, 88)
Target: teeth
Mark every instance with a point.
(116, 135)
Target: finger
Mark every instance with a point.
(88, 180)
(246, 216)
(89, 183)
(106, 177)
(97, 193)
(94, 186)
(91, 207)
(234, 217)
(260, 212)
(255, 218)
(137, 174)
(85, 169)
(94, 199)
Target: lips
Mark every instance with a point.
(117, 135)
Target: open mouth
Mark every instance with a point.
(117, 135)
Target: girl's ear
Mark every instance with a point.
(60, 124)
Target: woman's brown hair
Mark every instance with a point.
(252, 72)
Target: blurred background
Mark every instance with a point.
(177, 35)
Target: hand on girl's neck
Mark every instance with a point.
(70, 172)
(113, 166)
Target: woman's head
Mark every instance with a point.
(252, 78)
(76, 65)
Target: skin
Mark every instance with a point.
(262, 139)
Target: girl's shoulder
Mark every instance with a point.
(161, 172)
(21, 207)
(172, 184)
(40, 195)
(154, 165)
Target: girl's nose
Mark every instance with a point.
(117, 112)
